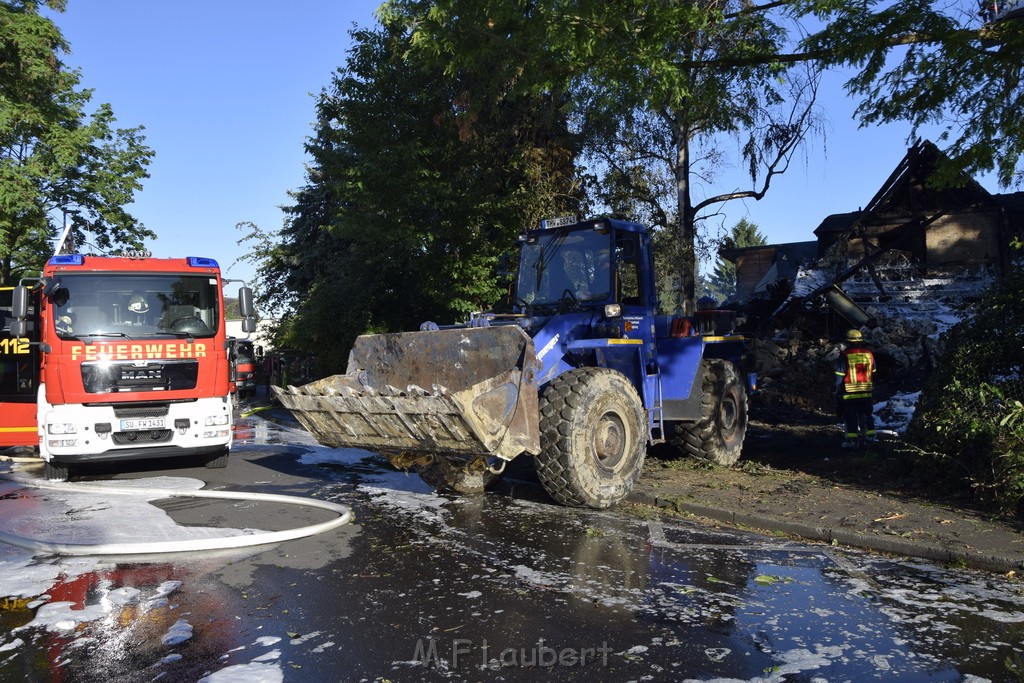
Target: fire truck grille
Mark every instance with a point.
(166, 375)
(141, 438)
(142, 410)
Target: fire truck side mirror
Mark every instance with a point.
(19, 309)
(245, 305)
(247, 310)
(19, 303)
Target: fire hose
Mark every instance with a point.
(192, 545)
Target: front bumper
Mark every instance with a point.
(80, 433)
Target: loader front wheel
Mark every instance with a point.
(592, 438)
(457, 476)
(718, 434)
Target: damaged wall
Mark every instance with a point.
(963, 240)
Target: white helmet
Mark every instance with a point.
(138, 304)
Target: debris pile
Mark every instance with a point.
(796, 358)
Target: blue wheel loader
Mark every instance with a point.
(579, 372)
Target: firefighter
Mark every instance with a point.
(854, 387)
(65, 323)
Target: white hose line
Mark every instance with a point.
(157, 547)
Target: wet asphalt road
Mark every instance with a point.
(507, 586)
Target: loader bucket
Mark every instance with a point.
(470, 391)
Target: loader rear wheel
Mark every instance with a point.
(718, 434)
(592, 438)
(457, 476)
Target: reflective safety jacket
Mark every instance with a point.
(854, 373)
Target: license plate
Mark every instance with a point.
(143, 423)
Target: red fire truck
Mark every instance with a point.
(118, 358)
(242, 356)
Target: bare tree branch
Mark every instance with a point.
(800, 120)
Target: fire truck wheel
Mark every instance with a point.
(55, 470)
(592, 438)
(457, 476)
(217, 460)
(718, 434)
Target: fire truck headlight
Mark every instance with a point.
(216, 420)
(61, 428)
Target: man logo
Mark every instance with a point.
(134, 374)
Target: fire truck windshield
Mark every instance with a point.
(131, 305)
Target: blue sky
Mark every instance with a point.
(226, 92)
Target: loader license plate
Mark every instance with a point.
(143, 423)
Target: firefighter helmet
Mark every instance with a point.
(138, 304)
(854, 336)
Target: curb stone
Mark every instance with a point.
(889, 544)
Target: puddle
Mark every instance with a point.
(459, 589)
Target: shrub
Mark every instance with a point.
(970, 421)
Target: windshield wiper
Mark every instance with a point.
(86, 338)
(187, 336)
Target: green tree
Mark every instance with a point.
(632, 67)
(934, 64)
(59, 164)
(927, 63)
(412, 197)
(722, 282)
(715, 67)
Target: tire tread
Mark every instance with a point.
(701, 439)
(560, 404)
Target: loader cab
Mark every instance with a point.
(572, 265)
(586, 296)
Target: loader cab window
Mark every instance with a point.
(562, 265)
(627, 269)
